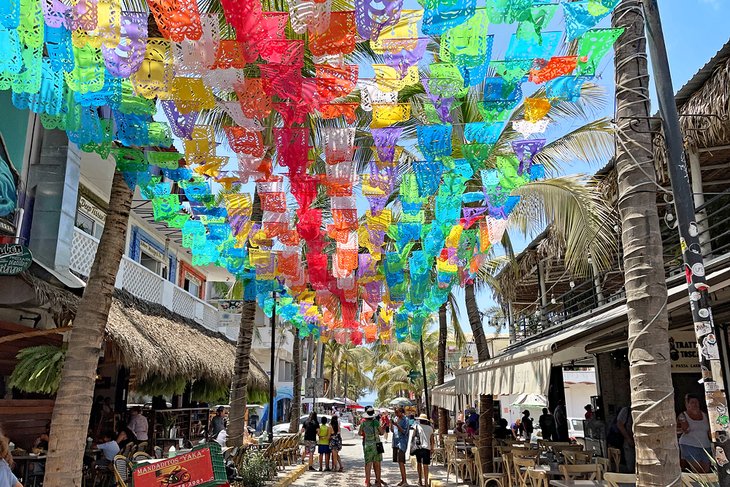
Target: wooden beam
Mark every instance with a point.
(34, 333)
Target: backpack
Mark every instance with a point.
(614, 437)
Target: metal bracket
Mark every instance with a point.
(634, 123)
(705, 117)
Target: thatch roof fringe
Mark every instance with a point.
(706, 120)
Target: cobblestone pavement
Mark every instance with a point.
(354, 470)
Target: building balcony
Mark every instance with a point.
(143, 283)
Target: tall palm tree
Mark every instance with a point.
(75, 394)
(652, 398)
(296, 403)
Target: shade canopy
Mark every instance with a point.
(531, 401)
(525, 368)
(444, 395)
(401, 401)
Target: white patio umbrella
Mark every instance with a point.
(531, 401)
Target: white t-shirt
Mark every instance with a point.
(424, 432)
(221, 438)
(698, 433)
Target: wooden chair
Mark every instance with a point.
(455, 462)
(439, 452)
(605, 463)
(614, 455)
(573, 457)
(527, 454)
(699, 479)
(538, 478)
(122, 470)
(581, 472)
(521, 466)
(620, 479)
(508, 467)
(483, 479)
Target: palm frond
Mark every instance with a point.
(591, 143)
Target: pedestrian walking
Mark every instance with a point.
(324, 433)
(422, 445)
(370, 431)
(336, 444)
(400, 443)
(310, 428)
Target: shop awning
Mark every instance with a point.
(444, 396)
(525, 368)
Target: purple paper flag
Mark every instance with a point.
(525, 150)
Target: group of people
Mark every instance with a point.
(421, 444)
(325, 437)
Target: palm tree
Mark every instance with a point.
(652, 398)
(296, 402)
(75, 394)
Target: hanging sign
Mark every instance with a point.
(14, 259)
(186, 470)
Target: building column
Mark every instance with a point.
(695, 171)
(597, 282)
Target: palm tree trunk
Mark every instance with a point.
(652, 398)
(239, 392)
(486, 416)
(296, 402)
(441, 371)
(75, 395)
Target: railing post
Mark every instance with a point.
(168, 291)
(120, 273)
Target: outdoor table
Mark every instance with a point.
(579, 483)
(552, 472)
(25, 461)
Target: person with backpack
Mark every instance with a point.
(526, 426)
(547, 425)
(422, 444)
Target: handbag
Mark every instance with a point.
(416, 443)
(379, 447)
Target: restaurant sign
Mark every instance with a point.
(683, 352)
(14, 259)
(194, 468)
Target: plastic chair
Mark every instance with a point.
(482, 478)
(699, 479)
(620, 479)
(581, 472)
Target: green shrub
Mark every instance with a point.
(256, 469)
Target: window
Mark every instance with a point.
(153, 264)
(191, 287)
(89, 225)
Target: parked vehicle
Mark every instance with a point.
(348, 429)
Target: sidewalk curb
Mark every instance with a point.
(291, 477)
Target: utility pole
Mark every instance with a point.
(270, 425)
(425, 380)
(697, 287)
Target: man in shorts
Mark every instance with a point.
(310, 428)
(400, 443)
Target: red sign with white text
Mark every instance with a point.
(186, 470)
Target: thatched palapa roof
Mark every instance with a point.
(153, 341)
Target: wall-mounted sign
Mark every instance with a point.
(683, 352)
(194, 468)
(151, 251)
(14, 259)
(466, 361)
(91, 209)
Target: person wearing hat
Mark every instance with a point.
(422, 445)
(460, 430)
(526, 426)
(370, 430)
(218, 423)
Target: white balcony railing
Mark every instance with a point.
(144, 284)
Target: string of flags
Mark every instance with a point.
(376, 196)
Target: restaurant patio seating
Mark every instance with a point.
(699, 479)
(439, 452)
(603, 462)
(573, 457)
(521, 466)
(614, 454)
(140, 455)
(620, 479)
(538, 478)
(142, 446)
(507, 467)
(121, 469)
(128, 450)
(158, 452)
(483, 479)
(459, 464)
(581, 472)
